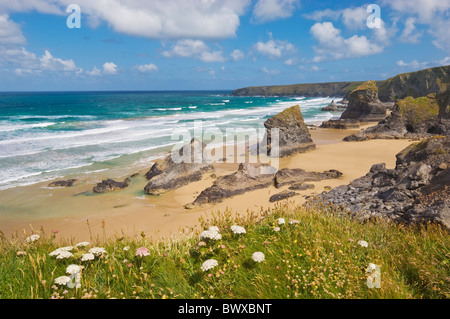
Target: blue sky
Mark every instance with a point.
(215, 44)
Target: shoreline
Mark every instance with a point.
(131, 212)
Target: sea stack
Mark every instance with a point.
(364, 105)
(294, 136)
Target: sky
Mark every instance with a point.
(215, 44)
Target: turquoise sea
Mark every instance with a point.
(46, 135)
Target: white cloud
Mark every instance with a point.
(445, 61)
(196, 49)
(95, 72)
(413, 64)
(274, 48)
(160, 19)
(410, 34)
(290, 61)
(207, 70)
(48, 62)
(352, 18)
(147, 68)
(110, 68)
(332, 45)
(237, 55)
(270, 71)
(10, 32)
(269, 10)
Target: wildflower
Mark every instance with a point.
(142, 252)
(21, 253)
(97, 251)
(68, 248)
(62, 281)
(276, 229)
(363, 243)
(201, 243)
(32, 239)
(258, 257)
(209, 264)
(64, 254)
(127, 248)
(293, 221)
(73, 269)
(238, 229)
(211, 234)
(223, 246)
(88, 257)
(281, 221)
(82, 244)
(214, 228)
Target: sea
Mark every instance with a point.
(52, 135)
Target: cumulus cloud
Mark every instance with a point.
(352, 18)
(237, 55)
(147, 68)
(110, 68)
(160, 19)
(410, 34)
(332, 45)
(194, 48)
(270, 71)
(95, 72)
(269, 10)
(413, 64)
(48, 62)
(10, 32)
(274, 48)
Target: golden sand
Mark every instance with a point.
(130, 211)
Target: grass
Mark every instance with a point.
(319, 257)
(418, 110)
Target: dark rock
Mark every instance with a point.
(332, 107)
(298, 176)
(364, 105)
(181, 168)
(67, 183)
(294, 136)
(134, 175)
(248, 177)
(109, 185)
(281, 196)
(342, 124)
(301, 187)
(416, 191)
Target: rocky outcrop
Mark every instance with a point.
(110, 185)
(294, 136)
(364, 105)
(283, 195)
(416, 191)
(297, 176)
(410, 118)
(415, 84)
(249, 177)
(346, 124)
(180, 168)
(443, 124)
(67, 183)
(332, 107)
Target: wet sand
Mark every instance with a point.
(130, 211)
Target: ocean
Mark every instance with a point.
(50, 135)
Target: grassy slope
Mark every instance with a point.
(317, 258)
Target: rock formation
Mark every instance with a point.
(67, 183)
(332, 107)
(294, 136)
(416, 191)
(346, 124)
(283, 195)
(180, 168)
(297, 176)
(110, 185)
(248, 177)
(410, 118)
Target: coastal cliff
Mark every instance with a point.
(415, 84)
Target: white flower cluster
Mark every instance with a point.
(212, 233)
(209, 264)
(62, 253)
(258, 257)
(238, 229)
(281, 221)
(82, 244)
(75, 273)
(293, 221)
(88, 257)
(32, 239)
(363, 243)
(277, 229)
(97, 251)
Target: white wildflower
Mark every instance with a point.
(276, 229)
(258, 257)
(62, 281)
(88, 257)
(82, 244)
(210, 234)
(97, 251)
(32, 239)
(209, 264)
(293, 221)
(68, 248)
(363, 243)
(64, 254)
(21, 253)
(281, 221)
(214, 228)
(238, 229)
(127, 248)
(73, 269)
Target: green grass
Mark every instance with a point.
(417, 110)
(317, 258)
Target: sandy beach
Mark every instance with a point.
(130, 211)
